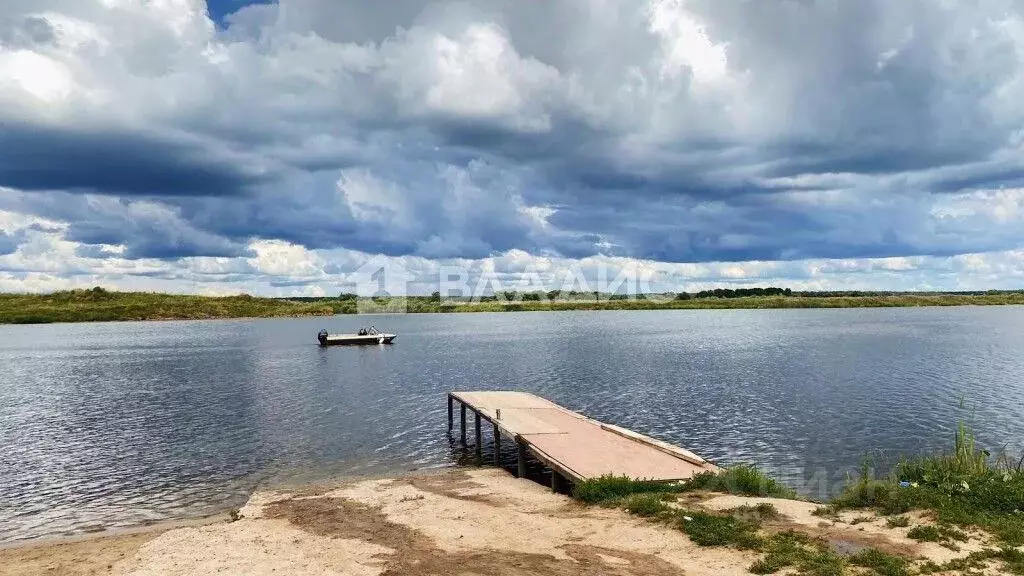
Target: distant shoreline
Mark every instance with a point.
(99, 305)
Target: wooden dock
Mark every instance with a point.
(573, 446)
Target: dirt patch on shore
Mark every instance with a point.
(479, 522)
(413, 553)
(457, 485)
(340, 518)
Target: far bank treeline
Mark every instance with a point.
(98, 304)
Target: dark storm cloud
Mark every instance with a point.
(400, 208)
(46, 229)
(146, 229)
(142, 240)
(878, 160)
(464, 129)
(43, 158)
(994, 177)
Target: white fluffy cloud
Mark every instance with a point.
(846, 143)
(43, 261)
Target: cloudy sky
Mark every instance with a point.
(224, 146)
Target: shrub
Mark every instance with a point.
(880, 562)
(791, 549)
(924, 534)
(962, 487)
(759, 513)
(646, 505)
(743, 480)
(707, 529)
(613, 488)
(897, 522)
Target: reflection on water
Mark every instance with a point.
(117, 424)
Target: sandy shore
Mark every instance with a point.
(480, 522)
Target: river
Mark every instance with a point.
(115, 424)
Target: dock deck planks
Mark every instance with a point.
(576, 446)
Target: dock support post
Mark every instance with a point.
(497, 446)
(557, 482)
(451, 419)
(462, 417)
(479, 437)
(521, 451)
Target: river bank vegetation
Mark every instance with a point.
(965, 500)
(98, 304)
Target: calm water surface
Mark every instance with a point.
(121, 423)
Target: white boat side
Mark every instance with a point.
(379, 338)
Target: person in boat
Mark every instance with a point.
(363, 332)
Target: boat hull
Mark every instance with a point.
(358, 340)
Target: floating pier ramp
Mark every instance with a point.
(574, 447)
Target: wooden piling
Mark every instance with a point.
(558, 483)
(521, 458)
(462, 419)
(451, 414)
(497, 446)
(479, 438)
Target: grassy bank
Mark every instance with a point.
(963, 490)
(102, 305)
(717, 303)
(954, 499)
(755, 528)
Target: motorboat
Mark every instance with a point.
(365, 336)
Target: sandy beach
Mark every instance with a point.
(471, 521)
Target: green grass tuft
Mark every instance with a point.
(783, 551)
(707, 529)
(647, 505)
(1010, 560)
(612, 489)
(881, 563)
(742, 480)
(897, 522)
(925, 534)
(759, 513)
(830, 512)
(1013, 560)
(942, 534)
(795, 550)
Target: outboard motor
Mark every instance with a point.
(322, 337)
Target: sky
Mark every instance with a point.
(279, 148)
